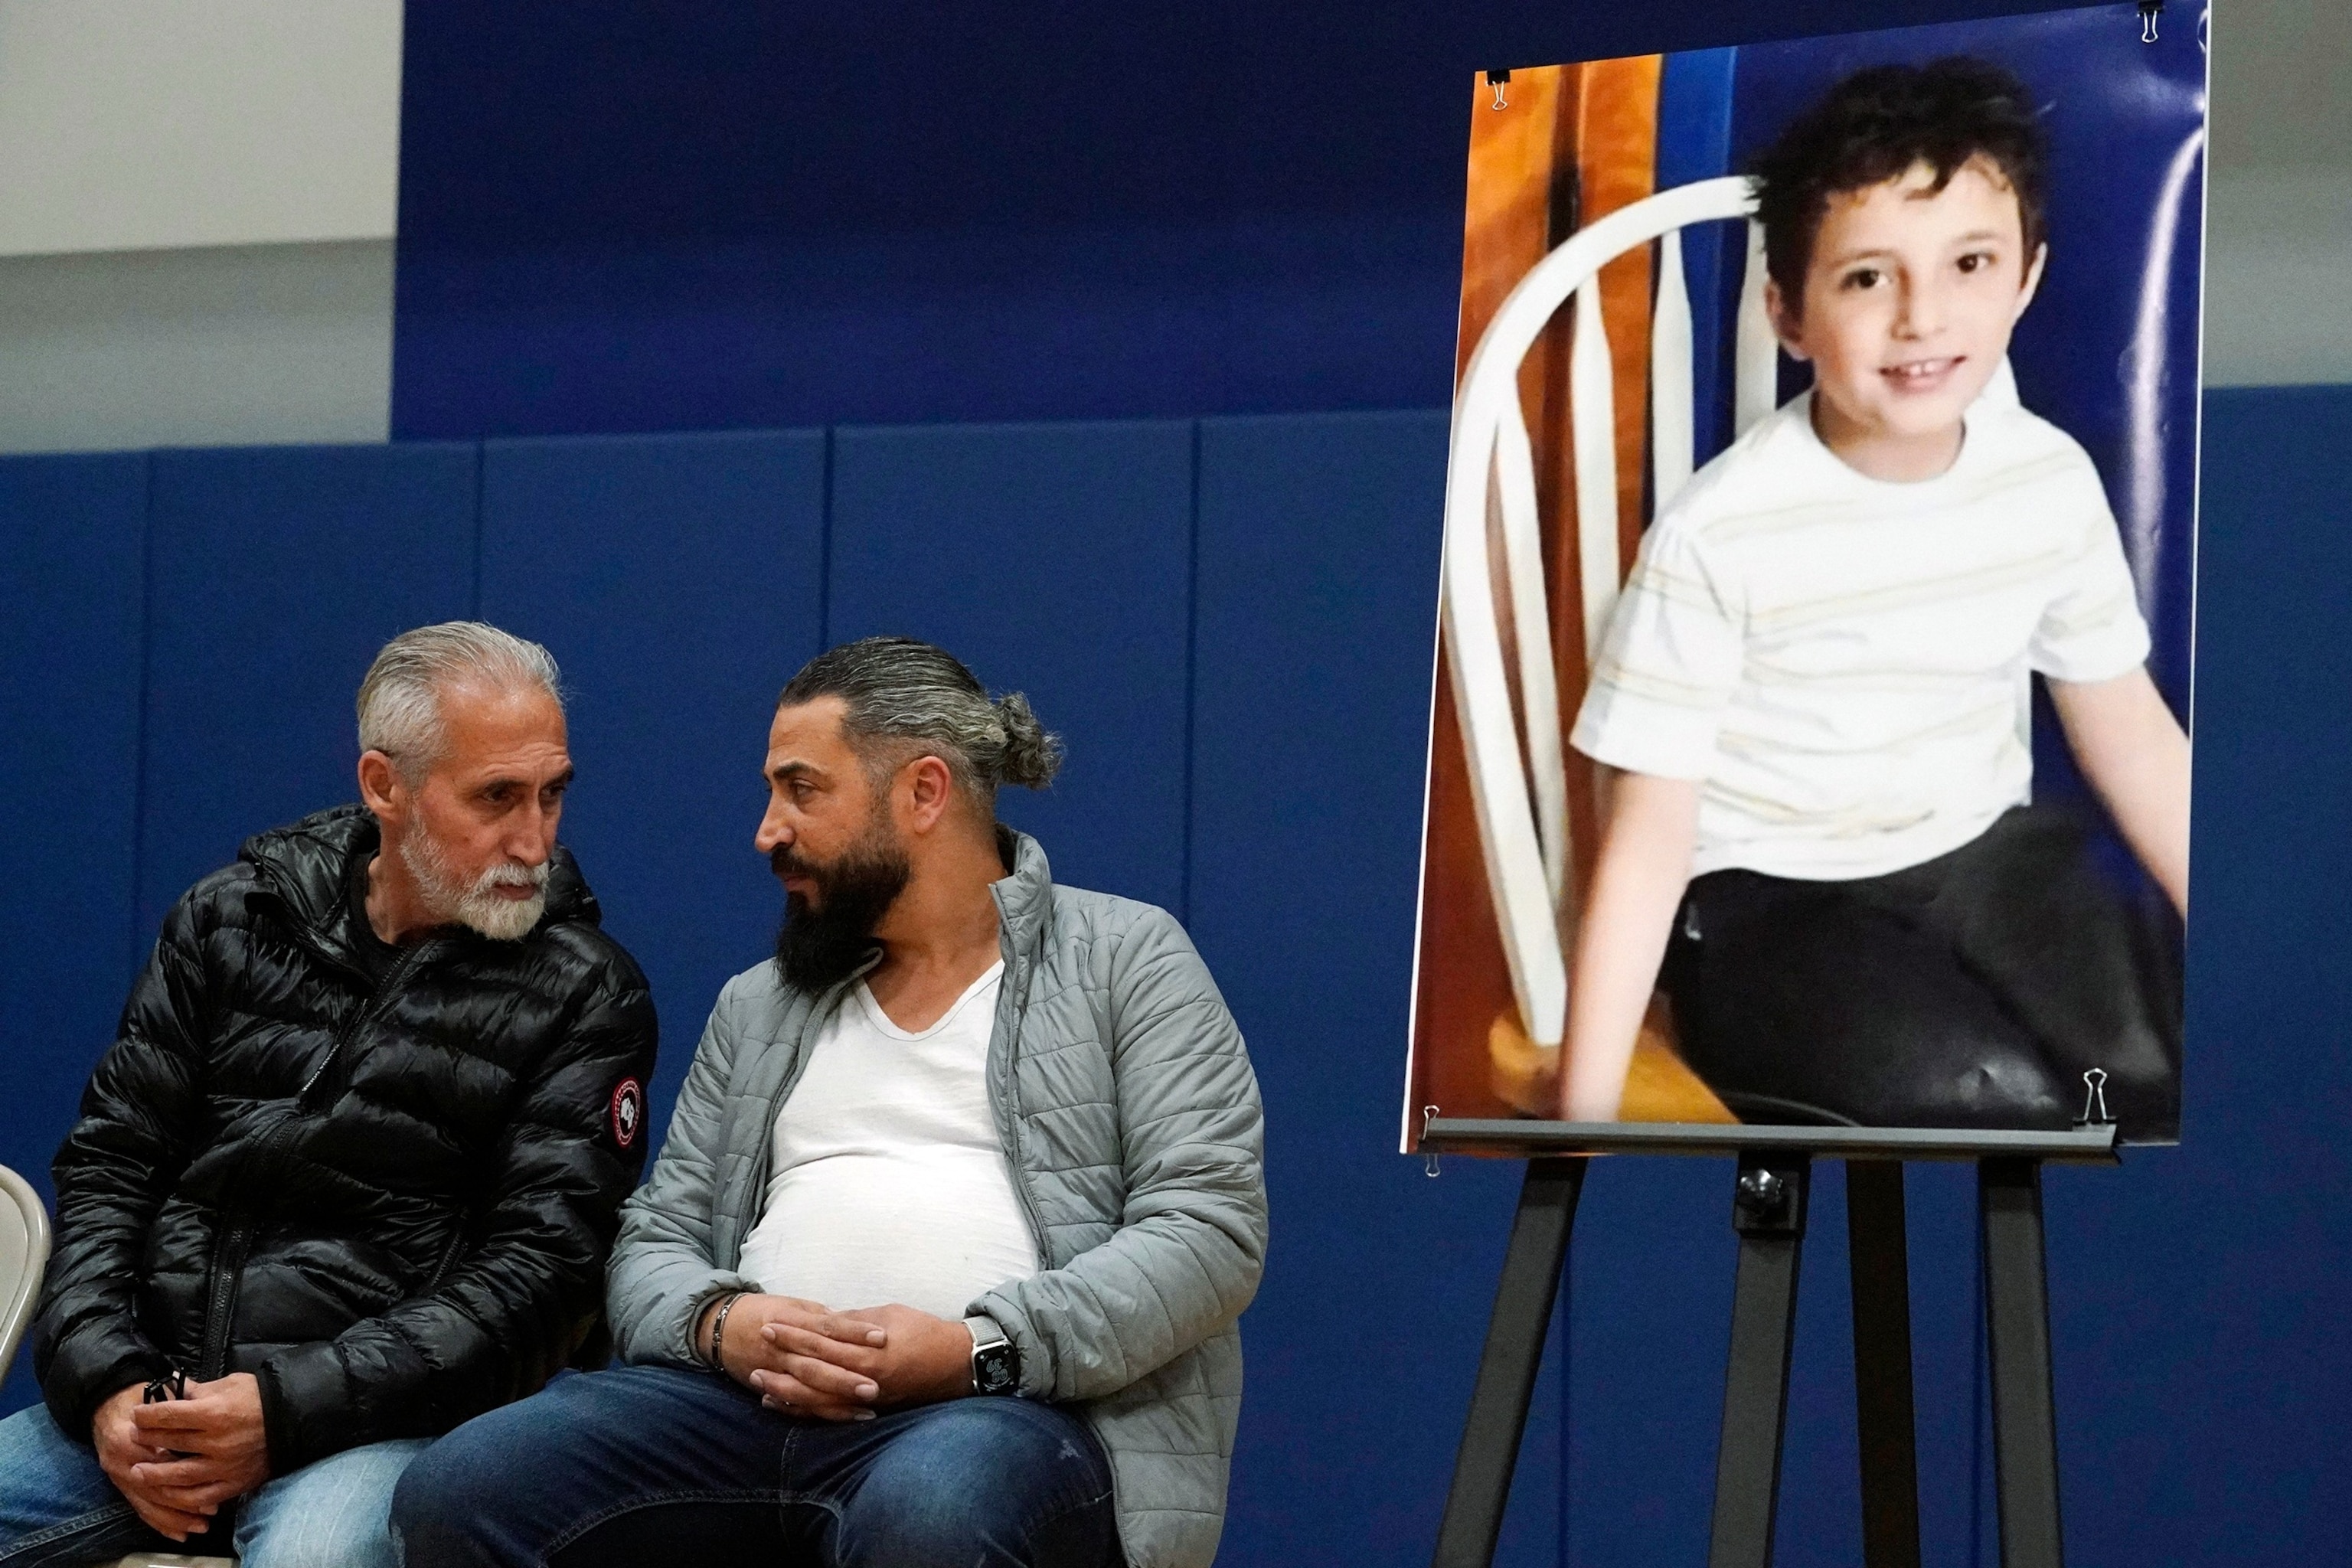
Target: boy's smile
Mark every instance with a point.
(1908, 303)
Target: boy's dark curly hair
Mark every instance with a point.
(1876, 125)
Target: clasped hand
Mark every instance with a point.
(177, 1462)
(805, 1359)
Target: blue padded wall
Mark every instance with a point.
(1054, 560)
(1317, 601)
(277, 573)
(678, 582)
(71, 537)
(2197, 1293)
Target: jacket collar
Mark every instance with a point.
(308, 863)
(1024, 899)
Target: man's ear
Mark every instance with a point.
(930, 788)
(2032, 279)
(1785, 324)
(382, 789)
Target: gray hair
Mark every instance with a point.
(900, 689)
(400, 700)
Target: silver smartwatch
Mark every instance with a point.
(995, 1359)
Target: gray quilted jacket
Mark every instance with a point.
(1130, 1119)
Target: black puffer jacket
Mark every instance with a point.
(392, 1202)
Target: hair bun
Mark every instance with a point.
(1031, 757)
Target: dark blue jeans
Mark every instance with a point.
(658, 1464)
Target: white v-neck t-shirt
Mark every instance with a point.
(889, 1181)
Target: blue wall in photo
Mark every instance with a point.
(184, 632)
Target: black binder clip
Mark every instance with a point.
(1499, 80)
(2149, 10)
(1428, 1114)
(2094, 1101)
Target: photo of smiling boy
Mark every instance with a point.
(1813, 703)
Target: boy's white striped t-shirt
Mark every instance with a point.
(1842, 662)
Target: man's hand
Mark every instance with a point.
(801, 1357)
(924, 1360)
(120, 1451)
(204, 1451)
(805, 1359)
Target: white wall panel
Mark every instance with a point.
(2278, 277)
(146, 124)
(2278, 241)
(220, 346)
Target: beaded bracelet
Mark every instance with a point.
(719, 1327)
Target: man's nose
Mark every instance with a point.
(532, 838)
(772, 832)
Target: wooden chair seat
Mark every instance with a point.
(1658, 1087)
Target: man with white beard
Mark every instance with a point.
(349, 1174)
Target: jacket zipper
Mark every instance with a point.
(819, 1007)
(448, 1258)
(1008, 1115)
(227, 1275)
(375, 1008)
(228, 1261)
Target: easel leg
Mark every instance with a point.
(1507, 1369)
(2017, 1322)
(1769, 1209)
(1876, 1250)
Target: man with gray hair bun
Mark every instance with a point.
(940, 1263)
(350, 1173)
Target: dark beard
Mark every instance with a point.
(820, 944)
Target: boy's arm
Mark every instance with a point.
(1643, 866)
(2132, 749)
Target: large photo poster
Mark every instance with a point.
(1808, 739)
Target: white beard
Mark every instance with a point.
(449, 900)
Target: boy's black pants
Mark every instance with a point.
(1970, 991)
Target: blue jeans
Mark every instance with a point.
(658, 1464)
(57, 1509)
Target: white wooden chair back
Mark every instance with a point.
(24, 1255)
(1522, 805)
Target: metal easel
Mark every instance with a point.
(1770, 1201)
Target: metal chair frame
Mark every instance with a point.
(20, 1209)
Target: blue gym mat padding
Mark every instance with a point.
(277, 573)
(1318, 613)
(2196, 1293)
(677, 581)
(72, 531)
(1054, 560)
(71, 536)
